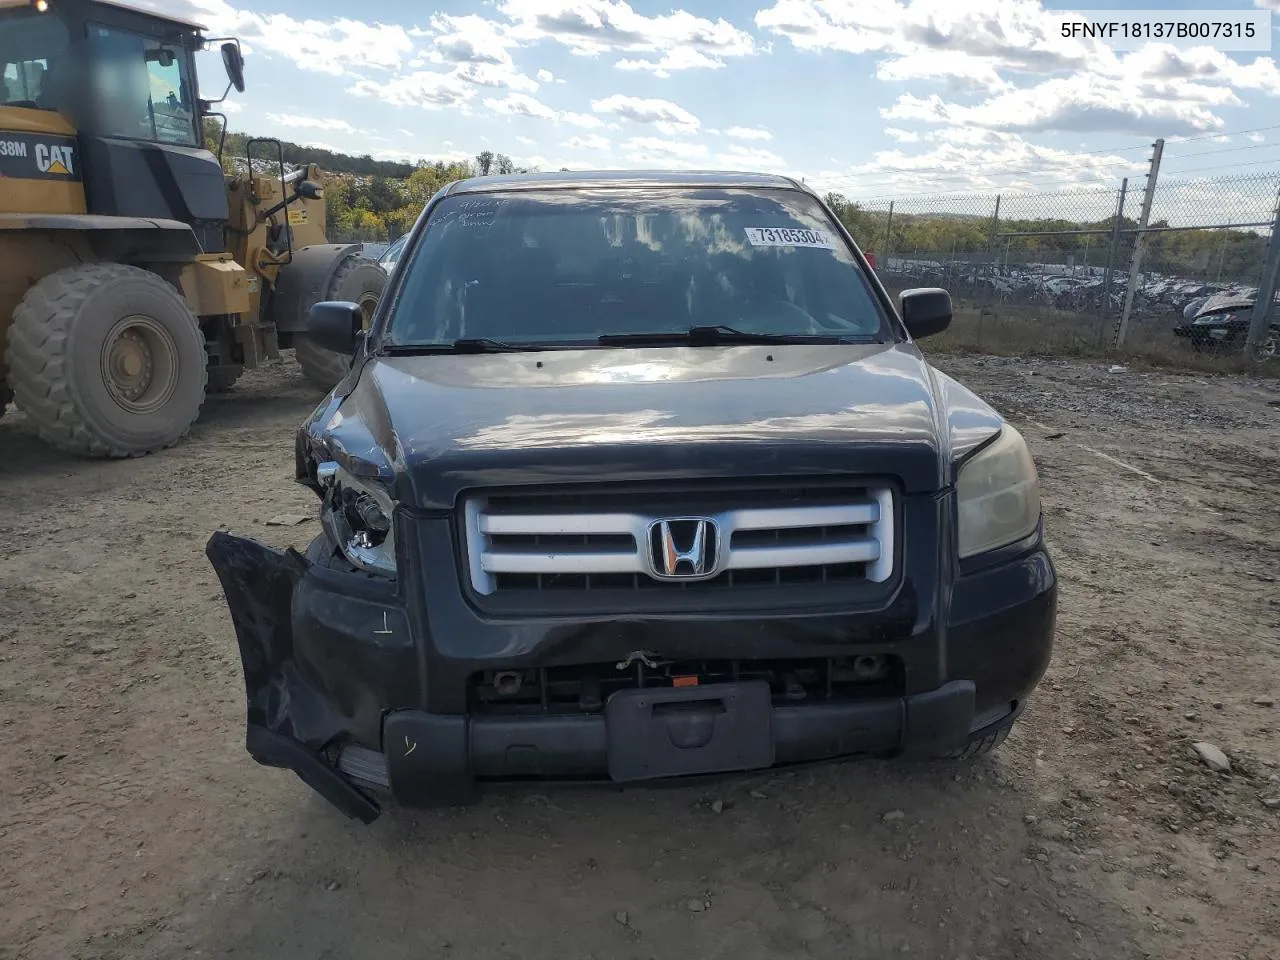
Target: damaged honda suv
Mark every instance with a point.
(638, 476)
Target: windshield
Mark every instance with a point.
(29, 45)
(142, 86)
(571, 266)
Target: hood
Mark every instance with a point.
(437, 425)
(1224, 303)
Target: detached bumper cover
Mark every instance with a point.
(340, 681)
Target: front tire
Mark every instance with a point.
(357, 281)
(107, 360)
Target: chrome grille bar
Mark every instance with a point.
(589, 543)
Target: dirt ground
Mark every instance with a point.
(133, 824)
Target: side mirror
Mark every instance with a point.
(233, 62)
(925, 311)
(336, 325)
(310, 190)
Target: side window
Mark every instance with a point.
(30, 48)
(23, 82)
(143, 88)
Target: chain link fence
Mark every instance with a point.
(1048, 273)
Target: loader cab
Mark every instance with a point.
(125, 81)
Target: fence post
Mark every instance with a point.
(888, 234)
(992, 271)
(1135, 262)
(1262, 306)
(1109, 272)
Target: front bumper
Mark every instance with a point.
(349, 686)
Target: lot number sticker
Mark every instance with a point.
(788, 237)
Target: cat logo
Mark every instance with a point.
(55, 159)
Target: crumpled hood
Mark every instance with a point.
(441, 424)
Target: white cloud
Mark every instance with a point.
(902, 136)
(1256, 137)
(325, 46)
(527, 141)
(478, 50)
(422, 88)
(1013, 52)
(1267, 5)
(316, 123)
(750, 158)
(967, 158)
(1015, 33)
(589, 141)
(667, 117)
(497, 75)
(1081, 103)
(595, 27)
(230, 106)
(546, 76)
(657, 152)
(748, 133)
(681, 58)
(584, 120)
(521, 105)
(961, 70)
(469, 39)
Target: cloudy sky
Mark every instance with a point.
(871, 97)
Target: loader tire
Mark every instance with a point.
(357, 280)
(107, 360)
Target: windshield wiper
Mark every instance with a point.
(461, 345)
(714, 335)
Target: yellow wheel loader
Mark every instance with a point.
(135, 276)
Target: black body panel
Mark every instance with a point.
(129, 178)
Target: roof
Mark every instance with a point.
(153, 14)
(625, 178)
(117, 5)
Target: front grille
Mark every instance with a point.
(585, 688)
(823, 534)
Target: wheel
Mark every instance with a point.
(222, 379)
(6, 397)
(107, 360)
(356, 281)
(979, 748)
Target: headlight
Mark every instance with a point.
(357, 516)
(997, 495)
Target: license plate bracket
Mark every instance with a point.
(669, 732)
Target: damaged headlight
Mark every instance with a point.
(997, 495)
(357, 516)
